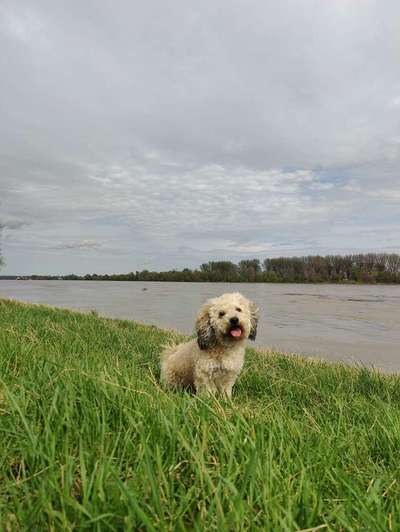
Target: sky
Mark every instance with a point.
(158, 135)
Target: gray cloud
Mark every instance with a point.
(12, 223)
(80, 244)
(169, 134)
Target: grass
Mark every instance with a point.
(90, 441)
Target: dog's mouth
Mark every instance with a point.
(236, 332)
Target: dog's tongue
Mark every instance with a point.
(236, 332)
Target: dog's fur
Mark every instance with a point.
(211, 363)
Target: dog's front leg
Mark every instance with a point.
(203, 381)
(228, 391)
(205, 388)
(226, 383)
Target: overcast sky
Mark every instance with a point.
(163, 134)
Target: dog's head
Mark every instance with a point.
(226, 319)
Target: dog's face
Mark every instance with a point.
(226, 319)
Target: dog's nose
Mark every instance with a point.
(234, 321)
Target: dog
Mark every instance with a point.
(211, 363)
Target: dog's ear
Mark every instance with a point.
(253, 321)
(205, 331)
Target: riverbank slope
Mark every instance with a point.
(90, 440)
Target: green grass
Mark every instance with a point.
(90, 441)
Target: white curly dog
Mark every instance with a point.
(211, 363)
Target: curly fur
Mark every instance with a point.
(211, 363)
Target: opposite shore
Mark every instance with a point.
(367, 268)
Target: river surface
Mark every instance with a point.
(355, 324)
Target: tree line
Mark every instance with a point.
(354, 268)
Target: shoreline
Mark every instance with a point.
(267, 351)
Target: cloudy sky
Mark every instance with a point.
(163, 134)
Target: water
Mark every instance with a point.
(335, 322)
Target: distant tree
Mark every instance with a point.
(205, 267)
(249, 269)
(222, 270)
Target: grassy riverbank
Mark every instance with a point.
(89, 440)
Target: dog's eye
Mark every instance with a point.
(221, 314)
(238, 309)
